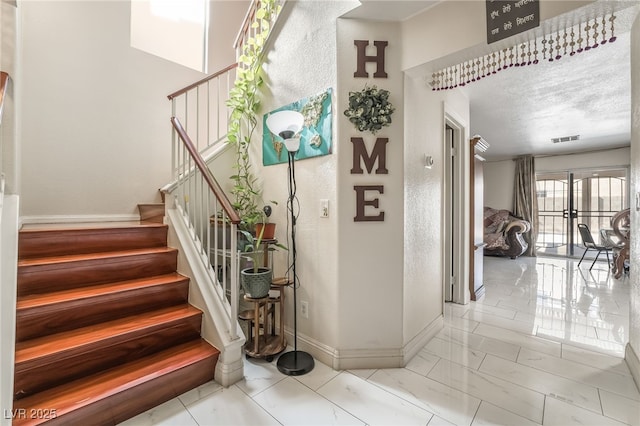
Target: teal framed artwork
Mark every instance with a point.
(315, 136)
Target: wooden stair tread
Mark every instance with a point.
(108, 255)
(83, 293)
(89, 390)
(72, 341)
(87, 226)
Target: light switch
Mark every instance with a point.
(324, 208)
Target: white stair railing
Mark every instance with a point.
(211, 220)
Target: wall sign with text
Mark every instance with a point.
(506, 18)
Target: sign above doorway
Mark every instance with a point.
(508, 18)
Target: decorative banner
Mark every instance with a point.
(315, 137)
(507, 18)
(568, 41)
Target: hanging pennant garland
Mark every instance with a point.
(555, 46)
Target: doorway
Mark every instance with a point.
(567, 198)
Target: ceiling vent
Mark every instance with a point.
(565, 139)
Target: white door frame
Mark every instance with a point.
(455, 220)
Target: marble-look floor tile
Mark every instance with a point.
(229, 406)
(370, 403)
(480, 343)
(493, 310)
(460, 323)
(422, 363)
(505, 323)
(602, 346)
(439, 421)
(595, 359)
(602, 379)
(363, 373)
(516, 399)
(292, 403)
(559, 413)
(200, 392)
(317, 377)
(450, 404)
(520, 339)
(455, 352)
(259, 375)
(455, 310)
(549, 384)
(620, 408)
(170, 413)
(490, 415)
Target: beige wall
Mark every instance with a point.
(95, 118)
(302, 62)
(634, 279)
(499, 175)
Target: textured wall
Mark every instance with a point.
(634, 278)
(302, 62)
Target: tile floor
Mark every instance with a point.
(544, 346)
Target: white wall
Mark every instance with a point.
(95, 118)
(424, 199)
(633, 350)
(498, 184)
(370, 254)
(499, 175)
(300, 63)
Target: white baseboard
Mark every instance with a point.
(54, 219)
(352, 359)
(631, 357)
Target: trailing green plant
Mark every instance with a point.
(244, 103)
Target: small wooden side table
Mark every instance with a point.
(265, 344)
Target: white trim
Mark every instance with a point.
(215, 319)
(633, 362)
(460, 190)
(8, 277)
(79, 218)
(366, 358)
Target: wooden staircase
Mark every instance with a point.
(103, 327)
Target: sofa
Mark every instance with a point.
(503, 233)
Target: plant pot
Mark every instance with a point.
(256, 285)
(269, 230)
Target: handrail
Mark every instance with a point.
(248, 20)
(202, 81)
(4, 85)
(206, 173)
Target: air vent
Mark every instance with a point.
(565, 139)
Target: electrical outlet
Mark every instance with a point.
(324, 208)
(304, 308)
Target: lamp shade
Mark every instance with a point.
(285, 124)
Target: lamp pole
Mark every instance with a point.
(294, 363)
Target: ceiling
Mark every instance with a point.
(520, 109)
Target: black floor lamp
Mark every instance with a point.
(287, 125)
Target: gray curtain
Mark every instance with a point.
(525, 199)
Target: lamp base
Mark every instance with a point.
(295, 363)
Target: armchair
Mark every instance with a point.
(503, 233)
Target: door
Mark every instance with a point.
(589, 196)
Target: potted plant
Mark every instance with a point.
(265, 228)
(244, 101)
(256, 279)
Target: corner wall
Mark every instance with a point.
(95, 118)
(301, 62)
(632, 354)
